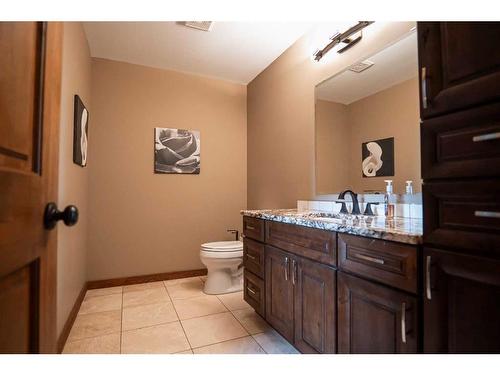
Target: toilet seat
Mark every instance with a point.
(222, 246)
(221, 254)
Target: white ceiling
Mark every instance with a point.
(233, 51)
(394, 64)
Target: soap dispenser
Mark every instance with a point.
(409, 187)
(388, 199)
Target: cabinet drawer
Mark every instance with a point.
(463, 215)
(254, 292)
(316, 244)
(253, 228)
(463, 144)
(384, 261)
(253, 256)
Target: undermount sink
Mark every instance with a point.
(327, 215)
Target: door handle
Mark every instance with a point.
(490, 214)
(286, 268)
(486, 137)
(369, 258)
(251, 256)
(423, 77)
(52, 215)
(294, 271)
(428, 277)
(403, 322)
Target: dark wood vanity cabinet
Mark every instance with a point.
(279, 292)
(375, 319)
(366, 304)
(459, 65)
(300, 300)
(461, 303)
(315, 315)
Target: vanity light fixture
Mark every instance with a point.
(344, 40)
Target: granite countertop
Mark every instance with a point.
(396, 229)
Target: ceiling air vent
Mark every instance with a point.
(199, 25)
(359, 67)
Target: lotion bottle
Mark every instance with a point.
(388, 199)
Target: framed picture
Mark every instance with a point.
(80, 132)
(177, 151)
(378, 158)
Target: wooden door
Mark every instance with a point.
(374, 319)
(462, 303)
(30, 66)
(315, 306)
(279, 291)
(459, 65)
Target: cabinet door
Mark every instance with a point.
(279, 291)
(315, 300)
(374, 319)
(459, 65)
(461, 303)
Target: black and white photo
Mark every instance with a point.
(378, 158)
(177, 151)
(80, 132)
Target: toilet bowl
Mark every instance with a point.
(224, 262)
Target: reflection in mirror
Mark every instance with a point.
(367, 124)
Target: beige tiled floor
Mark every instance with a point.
(173, 316)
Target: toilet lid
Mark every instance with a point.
(223, 246)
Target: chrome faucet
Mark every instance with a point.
(355, 203)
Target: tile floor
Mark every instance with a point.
(172, 316)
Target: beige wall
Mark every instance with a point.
(144, 223)
(393, 112)
(333, 132)
(341, 129)
(73, 179)
(280, 101)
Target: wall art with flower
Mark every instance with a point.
(177, 151)
(378, 158)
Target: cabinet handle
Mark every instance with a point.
(286, 268)
(251, 290)
(428, 277)
(294, 271)
(251, 257)
(486, 137)
(491, 214)
(403, 322)
(424, 88)
(369, 259)
(249, 227)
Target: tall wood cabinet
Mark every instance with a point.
(459, 71)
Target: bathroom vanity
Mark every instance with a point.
(338, 283)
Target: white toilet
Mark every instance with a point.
(224, 262)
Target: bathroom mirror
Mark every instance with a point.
(367, 123)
